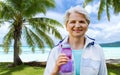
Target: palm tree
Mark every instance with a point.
(19, 14)
(106, 5)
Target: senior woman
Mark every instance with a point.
(87, 55)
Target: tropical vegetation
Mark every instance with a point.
(106, 5)
(23, 25)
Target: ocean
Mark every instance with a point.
(27, 54)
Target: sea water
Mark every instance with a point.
(111, 52)
(27, 54)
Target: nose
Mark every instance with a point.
(77, 24)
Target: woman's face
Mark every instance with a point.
(76, 25)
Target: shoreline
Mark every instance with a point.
(113, 61)
(109, 61)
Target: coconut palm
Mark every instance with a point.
(106, 5)
(20, 15)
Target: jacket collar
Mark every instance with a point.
(89, 41)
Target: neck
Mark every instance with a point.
(77, 43)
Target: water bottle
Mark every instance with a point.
(67, 68)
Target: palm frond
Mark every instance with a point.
(46, 38)
(47, 25)
(29, 39)
(35, 23)
(6, 11)
(86, 2)
(116, 6)
(33, 39)
(51, 21)
(29, 8)
(43, 22)
(52, 26)
(8, 40)
(37, 39)
(54, 32)
(16, 4)
(101, 8)
(34, 7)
(107, 9)
(19, 5)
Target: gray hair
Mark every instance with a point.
(77, 9)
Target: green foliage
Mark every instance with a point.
(107, 9)
(86, 2)
(32, 7)
(35, 31)
(4, 9)
(116, 6)
(8, 40)
(20, 70)
(101, 8)
(113, 69)
(106, 5)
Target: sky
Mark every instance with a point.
(103, 31)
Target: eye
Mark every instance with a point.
(72, 21)
(81, 21)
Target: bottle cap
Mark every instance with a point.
(65, 46)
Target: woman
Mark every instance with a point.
(87, 56)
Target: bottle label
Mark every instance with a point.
(66, 68)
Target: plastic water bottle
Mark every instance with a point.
(68, 67)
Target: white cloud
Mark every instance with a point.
(92, 8)
(109, 31)
(103, 31)
(53, 15)
(113, 32)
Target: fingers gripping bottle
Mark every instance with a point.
(68, 67)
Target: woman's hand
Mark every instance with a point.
(62, 59)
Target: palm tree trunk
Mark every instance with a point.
(17, 36)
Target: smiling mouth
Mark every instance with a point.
(77, 31)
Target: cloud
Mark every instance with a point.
(92, 9)
(53, 15)
(3, 31)
(105, 31)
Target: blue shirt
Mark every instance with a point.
(77, 58)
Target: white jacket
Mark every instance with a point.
(92, 60)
